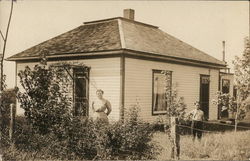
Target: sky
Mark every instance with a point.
(202, 24)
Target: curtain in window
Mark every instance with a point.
(159, 101)
(225, 85)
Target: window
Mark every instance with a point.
(161, 91)
(225, 85)
(80, 91)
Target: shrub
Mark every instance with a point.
(132, 138)
(128, 139)
(8, 97)
(81, 139)
(43, 98)
(51, 132)
(84, 139)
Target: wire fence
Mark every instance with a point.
(245, 127)
(213, 123)
(192, 128)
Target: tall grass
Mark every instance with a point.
(215, 146)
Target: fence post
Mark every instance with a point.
(175, 138)
(12, 121)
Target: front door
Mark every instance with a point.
(225, 90)
(80, 92)
(204, 94)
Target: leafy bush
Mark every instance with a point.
(84, 139)
(43, 99)
(52, 132)
(133, 137)
(128, 139)
(77, 139)
(8, 97)
(227, 102)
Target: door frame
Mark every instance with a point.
(205, 75)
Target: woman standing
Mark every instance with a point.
(100, 106)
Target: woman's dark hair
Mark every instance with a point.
(99, 90)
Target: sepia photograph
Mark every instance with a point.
(124, 80)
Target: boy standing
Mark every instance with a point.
(197, 116)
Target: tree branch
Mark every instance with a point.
(1, 74)
(4, 45)
(7, 31)
(2, 35)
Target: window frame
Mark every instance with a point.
(155, 113)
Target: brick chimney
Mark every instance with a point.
(223, 51)
(129, 14)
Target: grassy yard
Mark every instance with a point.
(216, 146)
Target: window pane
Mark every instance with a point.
(80, 87)
(159, 91)
(225, 85)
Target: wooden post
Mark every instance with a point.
(12, 121)
(175, 138)
(238, 100)
(236, 120)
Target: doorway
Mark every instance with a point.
(80, 92)
(204, 94)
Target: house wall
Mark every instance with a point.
(104, 74)
(186, 79)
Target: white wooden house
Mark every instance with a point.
(125, 59)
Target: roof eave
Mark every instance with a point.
(176, 59)
(225, 73)
(65, 55)
(128, 52)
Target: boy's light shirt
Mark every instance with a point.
(197, 115)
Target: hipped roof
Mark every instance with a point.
(113, 35)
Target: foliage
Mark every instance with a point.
(133, 137)
(3, 82)
(52, 132)
(2, 76)
(242, 72)
(44, 100)
(120, 140)
(176, 106)
(8, 97)
(242, 76)
(242, 84)
(227, 102)
(2, 102)
(79, 139)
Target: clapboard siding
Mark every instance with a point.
(104, 74)
(186, 80)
